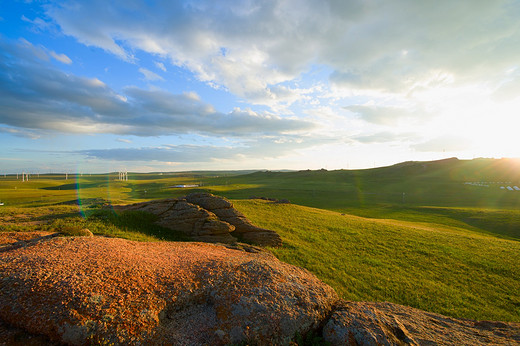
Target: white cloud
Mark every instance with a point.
(123, 140)
(449, 143)
(249, 48)
(386, 137)
(149, 75)
(20, 132)
(60, 57)
(42, 53)
(39, 24)
(267, 147)
(68, 103)
(387, 115)
(37, 51)
(160, 66)
(509, 89)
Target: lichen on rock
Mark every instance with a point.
(368, 323)
(157, 293)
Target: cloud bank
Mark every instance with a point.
(250, 46)
(35, 95)
(264, 147)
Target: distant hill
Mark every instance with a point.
(449, 182)
(452, 169)
(477, 170)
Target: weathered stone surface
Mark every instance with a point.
(97, 290)
(13, 240)
(363, 323)
(206, 217)
(244, 229)
(178, 214)
(12, 336)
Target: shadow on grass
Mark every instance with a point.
(52, 217)
(132, 225)
(501, 223)
(134, 222)
(71, 186)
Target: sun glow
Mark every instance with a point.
(486, 126)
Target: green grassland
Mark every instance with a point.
(442, 269)
(415, 233)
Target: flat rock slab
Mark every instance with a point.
(364, 323)
(90, 290)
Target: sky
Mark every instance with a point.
(98, 86)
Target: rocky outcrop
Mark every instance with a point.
(180, 215)
(244, 229)
(206, 217)
(362, 323)
(97, 290)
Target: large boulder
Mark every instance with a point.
(95, 290)
(244, 229)
(180, 215)
(90, 290)
(206, 217)
(370, 324)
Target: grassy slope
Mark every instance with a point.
(423, 184)
(438, 256)
(442, 269)
(433, 192)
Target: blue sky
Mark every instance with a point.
(98, 86)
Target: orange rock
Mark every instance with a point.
(177, 293)
(365, 323)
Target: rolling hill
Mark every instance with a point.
(441, 236)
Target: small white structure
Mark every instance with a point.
(480, 183)
(123, 176)
(509, 188)
(516, 188)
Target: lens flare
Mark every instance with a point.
(92, 189)
(78, 196)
